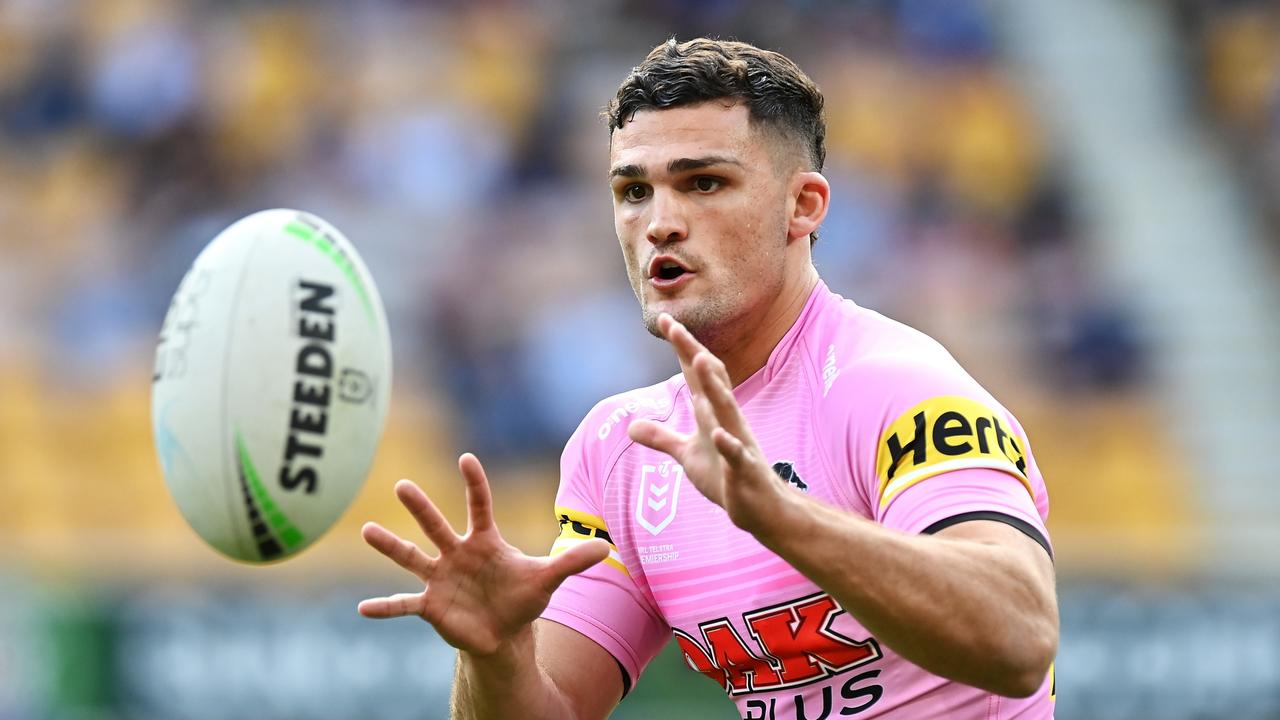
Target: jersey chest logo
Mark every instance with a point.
(786, 470)
(659, 495)
(790, 644)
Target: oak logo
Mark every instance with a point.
(791, 644)
(944, 434)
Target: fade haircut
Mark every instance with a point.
(778, 95)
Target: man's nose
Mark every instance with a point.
(667, 222)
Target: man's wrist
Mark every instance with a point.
(510, 655)
(775, 504)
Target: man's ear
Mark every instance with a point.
(811, 194)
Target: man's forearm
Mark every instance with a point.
(507, 684)
(969, 611)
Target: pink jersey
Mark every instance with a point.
(856, 410)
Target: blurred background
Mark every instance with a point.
(1079, 198)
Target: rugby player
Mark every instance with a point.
(827, 514)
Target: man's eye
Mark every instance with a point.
(706, 184)
(635, 192)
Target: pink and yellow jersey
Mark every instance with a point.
(856, 410)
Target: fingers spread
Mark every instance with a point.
(657, 437)
(479, 497)
(398, 605)
(715, 368)
(685, 343)
(705, 417)
(730, 448)
(686, 347)
(575, 560)
(433, 524)
(401, 551)
(724, 405)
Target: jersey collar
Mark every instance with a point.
(819, 298)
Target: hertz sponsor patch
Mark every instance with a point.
(944, 434)
(578, 527)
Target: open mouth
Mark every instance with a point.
(666, 269)
(669, 271)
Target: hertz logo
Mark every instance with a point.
(577, 527)
(944, 434)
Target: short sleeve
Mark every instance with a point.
(604, 602)
(963, 495)
(929, 445)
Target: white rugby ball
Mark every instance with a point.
(271, 385)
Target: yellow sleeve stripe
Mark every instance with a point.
(582, 517)
(578, 527)
(614, 560)
(894, 488)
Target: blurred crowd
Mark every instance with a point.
(1235, 61)
(459, 145)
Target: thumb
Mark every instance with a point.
(576, 559)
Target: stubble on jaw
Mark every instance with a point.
(707, 321)
(715, 318)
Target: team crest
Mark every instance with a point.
(659, 494)
(787, 471)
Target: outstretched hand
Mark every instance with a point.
(480, 590)
(721, 458)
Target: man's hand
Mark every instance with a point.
(721, 458)
(481, 592)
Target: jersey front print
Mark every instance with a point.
(856, 411)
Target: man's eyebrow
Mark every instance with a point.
(676, 166)
(686, 164)
(627, 171)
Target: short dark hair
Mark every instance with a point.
(775, 90)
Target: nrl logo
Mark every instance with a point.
(659, 493)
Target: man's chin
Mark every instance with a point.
(682, 312)
(650, 319)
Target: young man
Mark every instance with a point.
(829, 515)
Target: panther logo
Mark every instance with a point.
(788, 473)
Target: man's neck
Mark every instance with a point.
(747, 352)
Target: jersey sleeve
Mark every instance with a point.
(929, 447)
(603, 603)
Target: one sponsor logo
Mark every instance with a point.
(660, 553)
(944, 434)
(791, 644)
(578, 527)
(829, 370)
(581, 526)
(629, 408)
(857, 694)
(354, 386)
(659, 495)
(309, 414)
(787, 471)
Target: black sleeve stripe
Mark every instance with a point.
(626, 678)
(1027, 528)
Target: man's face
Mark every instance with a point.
(700, 209)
